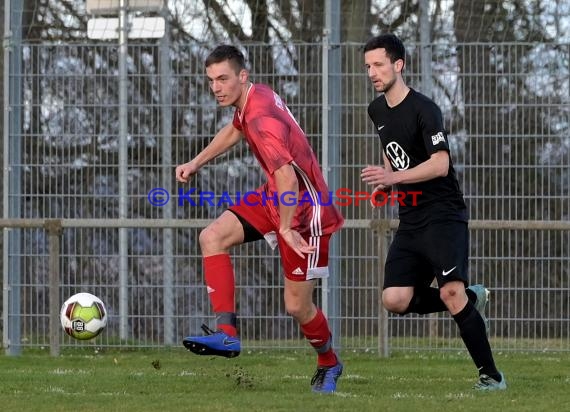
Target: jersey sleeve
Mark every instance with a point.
(270, 135)
(433, 132)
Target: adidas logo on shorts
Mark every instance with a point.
(298, 271)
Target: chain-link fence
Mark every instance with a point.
(508, 123)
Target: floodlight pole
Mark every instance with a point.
(123, 171)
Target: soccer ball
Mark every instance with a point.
(83, 316)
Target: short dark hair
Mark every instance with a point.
(394, 47)
(229, 53)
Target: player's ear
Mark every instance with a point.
(400, 65)
(243, 75)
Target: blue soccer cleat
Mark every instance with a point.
(324, 380)
(213, 343)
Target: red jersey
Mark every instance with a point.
(276, 139)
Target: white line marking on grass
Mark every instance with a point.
(355, 377)
(406, 395)
(460, 395)
(345, 394)
(54, 389)
(296, 377)
(60, 371)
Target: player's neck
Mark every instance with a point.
(240, 104)
(397, 93)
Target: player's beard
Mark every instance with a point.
(388, 86)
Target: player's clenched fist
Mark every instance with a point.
(185, 172)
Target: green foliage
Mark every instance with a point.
(171, 380)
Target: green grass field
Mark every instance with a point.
(176, 380)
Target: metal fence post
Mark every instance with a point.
(54, 230)
(123, 172)
(12, 173)
(331, 73)
(382, 229)
(167, 174)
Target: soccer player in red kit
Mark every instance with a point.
(274, 212)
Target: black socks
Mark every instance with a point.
(473, 333)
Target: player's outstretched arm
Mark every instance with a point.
(226, 138)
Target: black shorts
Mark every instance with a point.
(250, 234)
(439, 250)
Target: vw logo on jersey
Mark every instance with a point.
(398, 157)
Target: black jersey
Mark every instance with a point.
(410, 133)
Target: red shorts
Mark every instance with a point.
(312, 266)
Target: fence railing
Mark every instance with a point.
(383, 230)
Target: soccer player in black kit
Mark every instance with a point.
(432, 239)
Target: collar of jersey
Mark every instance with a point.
(242, 111)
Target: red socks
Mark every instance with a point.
(220, 282)
(219, 278)
(318, 334)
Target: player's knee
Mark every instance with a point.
(294, 309)
(209, 240)
(450, 293)
(297, 310)
(395, 303)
